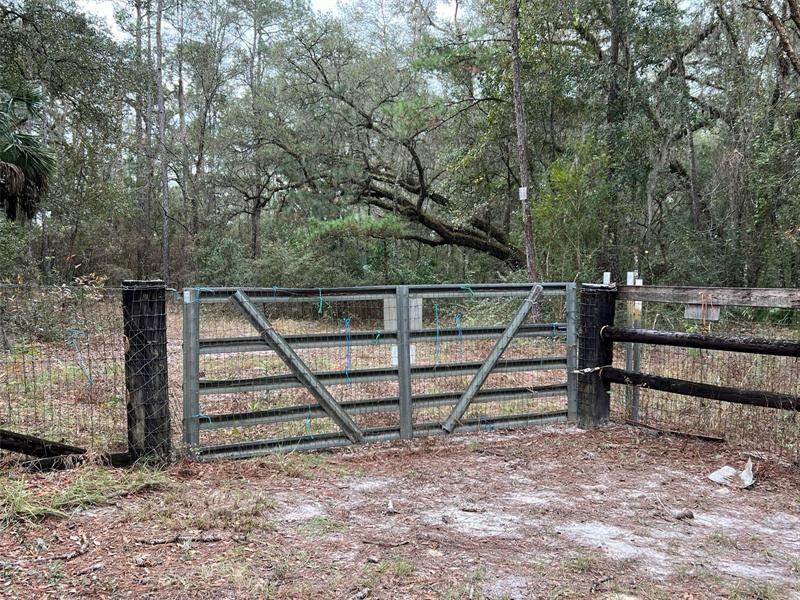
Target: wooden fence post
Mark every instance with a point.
(597, 310)
(145, 326)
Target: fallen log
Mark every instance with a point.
(69, 461)
(49, 455)
(35, 446)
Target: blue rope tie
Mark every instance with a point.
(321, 306)
(457, 319)
(348, 345)
(437, 354)
(469, 290)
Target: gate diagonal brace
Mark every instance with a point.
(298, 367)
(491, 361)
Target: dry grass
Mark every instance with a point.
(20, 499)
(545, 513)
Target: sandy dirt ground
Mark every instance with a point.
(549, 512)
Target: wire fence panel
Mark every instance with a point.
(62, 364)
(765, 429)
(248, 399)
(62, 374)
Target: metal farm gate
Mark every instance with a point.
(289, 369)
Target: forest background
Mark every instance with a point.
(264, 142)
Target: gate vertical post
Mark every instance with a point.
(146, 378)
(628, 346)
(637, 354)
(633, 309)
(404, 362)
(594, 398)
(191, 367)
(572, 354)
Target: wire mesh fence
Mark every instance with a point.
(62, 364)
(764, 429)
(352, 344)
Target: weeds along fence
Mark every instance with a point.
(395, 361)
(747, 340)
(62, 364)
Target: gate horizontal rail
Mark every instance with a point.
(347, 294)
(301, 412)
(378, 434)
(375, 337)
(285, 381)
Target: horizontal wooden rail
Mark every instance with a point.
(713, 296)
(751, 345)
(368, 338)
(702, 390)
(288, 380)
(373, 405)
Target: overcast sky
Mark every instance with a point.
(105, 9)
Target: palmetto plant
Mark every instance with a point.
(25, 162)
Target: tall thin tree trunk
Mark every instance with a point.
(162, 145)
(698, 208)
(255, 80)
(522, 144)
(148, 124)
(189, 198)
(142, 191)
(615, 106)
(255, 228)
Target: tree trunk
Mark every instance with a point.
(615, 107)
(699, 210)
(148, 124)
(522, 145)
(255, 229)
(162, 145)
(189, 198)
(142, 183)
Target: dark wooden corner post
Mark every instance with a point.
(145, 325)
(597, 311)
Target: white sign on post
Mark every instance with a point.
(414, 322)
(523, 193)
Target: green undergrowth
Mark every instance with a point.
(20, 499)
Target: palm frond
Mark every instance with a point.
(21, 98)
